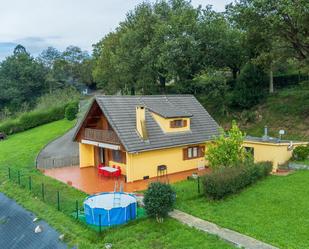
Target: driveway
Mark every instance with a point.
(60, 152)
(17, 229)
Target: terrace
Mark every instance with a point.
(89, 181)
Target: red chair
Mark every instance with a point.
(100, 171)
(118, 172)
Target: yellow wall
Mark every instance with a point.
(86, 155)
(276, 153)
(145, 163)
(165, 123)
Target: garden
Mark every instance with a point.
(18, 152)
(274, 210)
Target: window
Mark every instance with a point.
(193, 152)
(250, 150)
(178, 123)
(117, 156)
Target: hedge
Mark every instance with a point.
(301, 153)
(32, 119)
(227, 181)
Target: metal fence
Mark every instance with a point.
(53, 194)
(47, 163)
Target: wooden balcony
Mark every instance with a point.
(104, 136)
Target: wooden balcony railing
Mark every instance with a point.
(105, 136)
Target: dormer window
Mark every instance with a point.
(178, 123)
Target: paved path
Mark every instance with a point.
(60, 152)
(17, 229)
(238, 239)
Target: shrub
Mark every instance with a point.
(159, 199)
(301, 153)
(71, 111)
(32, 119)
(227, 181)
(227, 150)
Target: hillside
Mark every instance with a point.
(286, 109)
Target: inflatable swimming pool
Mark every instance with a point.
(108, 209)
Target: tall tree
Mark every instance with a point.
(22, 79)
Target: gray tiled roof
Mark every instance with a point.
(121, 114)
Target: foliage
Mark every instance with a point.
(227, 150)
(227, 181)
(159, 199)
(250, 87)
(32, 119)
(22, 79)
(71, 111)
(301, 153)
(59, 97)
(214, 85)
(284, 20)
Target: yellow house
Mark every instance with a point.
(271, 149)
(145, 134)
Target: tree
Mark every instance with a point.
(250, 86)
(213, 84)
(22, 79)
(227, 150)
(159, 199)
(286, 20)
(224, 46)
(49, 56)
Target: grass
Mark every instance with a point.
(306, 162)
(19, 151)
(286, 109)
(274, 210)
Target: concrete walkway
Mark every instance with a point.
(238, 239)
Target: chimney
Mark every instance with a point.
(265, 136)
(141, 122)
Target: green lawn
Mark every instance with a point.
(306, 162)
(19, 151)
(275, 210)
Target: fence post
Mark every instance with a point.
(100, 222)
(58, 200)
(76, 206)
(18, 177)
(9, 173)
(30, 183)
(198, 185)
(42, 188)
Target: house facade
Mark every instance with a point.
(143, 133)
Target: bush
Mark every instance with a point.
(32, 119)
(227, 149)
(227, 181)
(71, 111)
(159, 199)
(301, 153)
(250, 87)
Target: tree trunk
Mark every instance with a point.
(271, 80)
(162, 81)
(234, 72)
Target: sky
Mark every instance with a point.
(38, 24)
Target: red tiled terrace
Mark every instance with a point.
(89, 181)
